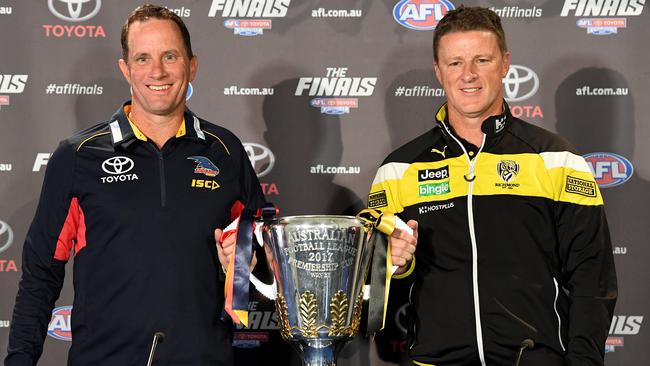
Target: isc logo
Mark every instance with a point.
(421, 14)
(60, 326)
(610, 170)
(204, 183)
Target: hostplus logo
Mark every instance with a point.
(622, 325)
(263, 161)
(602, 17)
(336, 92)
(74, 12)
(520, 84)
(118, 167)
(421, 15)
(11, 84)
(249, 18)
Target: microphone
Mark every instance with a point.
(525, 344)
(158, 337)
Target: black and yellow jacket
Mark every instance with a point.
(513, 245)
(140, 223)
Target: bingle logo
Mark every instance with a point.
(6, 236)
(261, 158)
(610, 170)
(433, 174)
(421, 14)
(118, 166)
(60, 326)
(520, 83)
(336, 84)
(75, 11)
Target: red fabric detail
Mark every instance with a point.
(236, 209)
(73, 232)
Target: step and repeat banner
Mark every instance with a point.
(320, 91)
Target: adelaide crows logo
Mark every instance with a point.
(204, 166)
(508, 170)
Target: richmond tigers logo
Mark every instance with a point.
(508, 170)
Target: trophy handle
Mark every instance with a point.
(269, 291)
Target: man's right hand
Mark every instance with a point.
(402, 247)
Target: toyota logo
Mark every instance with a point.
(117, 165)
(518, 80)
(261, 158)
(74, 9)
(6, 236)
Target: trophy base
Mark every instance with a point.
(319, 352)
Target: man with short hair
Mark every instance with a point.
(514, 260)
(137, 200)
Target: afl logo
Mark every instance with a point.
(610, 170)
(60, 327)
(117, 165)
(421, 14)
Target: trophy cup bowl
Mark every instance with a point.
(320, 265)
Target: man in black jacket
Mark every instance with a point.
(514, 260)
(136, 201)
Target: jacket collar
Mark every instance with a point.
(125, 132)
(493, 127)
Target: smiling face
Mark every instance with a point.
(158, 68)
(470, 68)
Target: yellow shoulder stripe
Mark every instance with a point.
(561, 177)
(217, 137)
(92, 137)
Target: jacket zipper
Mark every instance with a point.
(161, 166)
(559, 320)
(470, 218)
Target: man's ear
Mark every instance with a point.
(124, 68)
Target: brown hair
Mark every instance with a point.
(148, 11)
(472, 18)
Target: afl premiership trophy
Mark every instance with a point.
(319, 265)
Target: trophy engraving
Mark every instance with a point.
(319, 265)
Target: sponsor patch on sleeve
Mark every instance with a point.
(377, 199)
(580, 186)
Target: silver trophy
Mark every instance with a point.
(319, 265)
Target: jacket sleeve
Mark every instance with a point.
(45, 252)
(588, 265)
(385, 196)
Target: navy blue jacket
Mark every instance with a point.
(139, 221)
